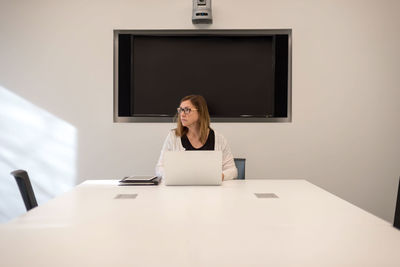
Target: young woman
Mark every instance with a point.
(193, 132)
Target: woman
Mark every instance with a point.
(193, 132)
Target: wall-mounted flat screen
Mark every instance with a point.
(243, 74)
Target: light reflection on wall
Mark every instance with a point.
(38, 142)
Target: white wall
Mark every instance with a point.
(345, 134)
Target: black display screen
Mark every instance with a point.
(234, 74)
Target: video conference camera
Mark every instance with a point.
(202, 12)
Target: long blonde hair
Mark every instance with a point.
(204, 117)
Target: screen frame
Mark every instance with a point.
(218, 32)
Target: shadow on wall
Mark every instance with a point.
(38, 142)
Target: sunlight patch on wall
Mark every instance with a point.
(34, 140)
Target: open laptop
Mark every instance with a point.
(192, 167)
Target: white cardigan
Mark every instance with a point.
(173, 143)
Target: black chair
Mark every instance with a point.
(240, 165)
(25, 188)
(396, 222)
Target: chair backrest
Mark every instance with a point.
(396, 222)
(25, 187)
(240, 165)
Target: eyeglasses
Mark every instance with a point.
(185, 110)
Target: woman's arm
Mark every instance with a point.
(168, 146)
(229, 170)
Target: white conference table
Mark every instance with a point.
(199, 226)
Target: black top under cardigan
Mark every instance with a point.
(209, 145)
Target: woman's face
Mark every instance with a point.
(191, 116)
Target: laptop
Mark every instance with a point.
(192, 167)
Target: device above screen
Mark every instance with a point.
(245, 75)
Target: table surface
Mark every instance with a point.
(199, 226)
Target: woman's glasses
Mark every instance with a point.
(184, 110)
